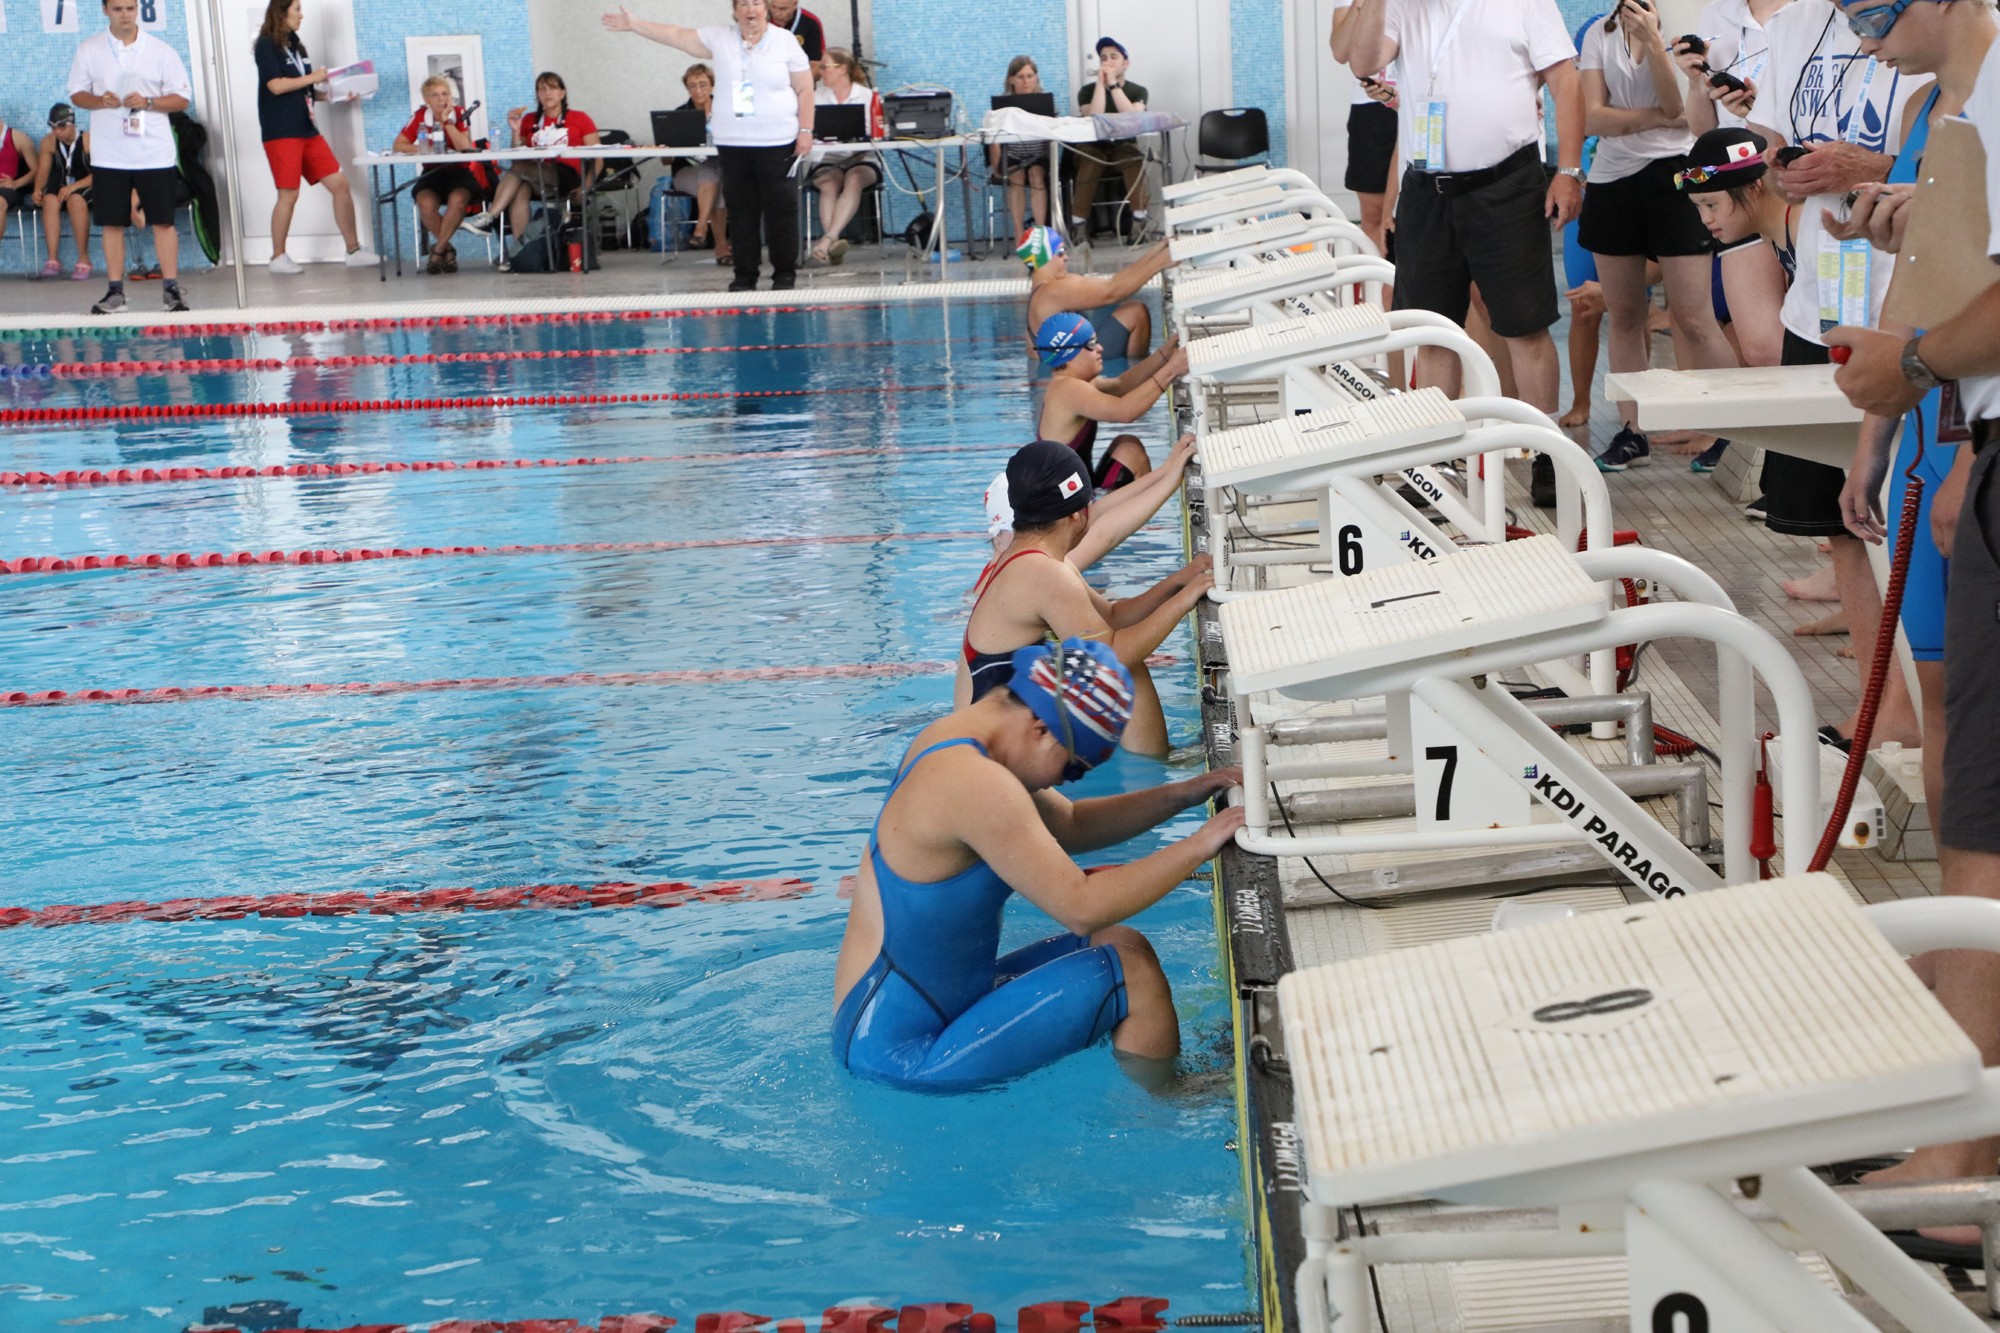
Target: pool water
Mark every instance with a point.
(532, 1114)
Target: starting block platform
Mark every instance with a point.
(1242, 178)
(1239, 206)
(1274, 280)
(1228, 244)
(1280, 452)
(1268, 349)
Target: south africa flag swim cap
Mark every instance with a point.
(1039, 245)
(1081, 692)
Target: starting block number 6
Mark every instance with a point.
(1678, 1312)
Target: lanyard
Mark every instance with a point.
(1444, 41)
(68, 152)
(299, 62)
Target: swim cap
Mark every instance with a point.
(1061, 338)
(1039, 245)
(1045, 481)
(1081, 692)
(1722, 159)
(999, 512)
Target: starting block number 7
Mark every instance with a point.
(1458, 787)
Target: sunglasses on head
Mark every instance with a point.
(1875, 21)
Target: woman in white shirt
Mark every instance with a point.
(842, 178)
(1632, 211)
(762, 127)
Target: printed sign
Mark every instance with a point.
(1458, 787)
(61, 16)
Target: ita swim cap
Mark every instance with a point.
(1062, 337)
(1039, 245)
(1722, 159)
(1046, 481)
(1083, 695)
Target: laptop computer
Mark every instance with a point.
(680, 129)
(917, 115)
(1037, 104)
(842, 124)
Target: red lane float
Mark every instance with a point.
(150, 476)
(1128, 1314)
(173, 694)
(39, 564)
(43, 416)
(400, 902)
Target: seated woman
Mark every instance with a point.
(446, 192)
(1022, 167)
(1078, 400)
(922, 996)
(18, 159)
(551, 125)
(699, 177)
(62, 186)
(842, 178)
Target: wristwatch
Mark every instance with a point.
(1914, 369)
(1574, 173)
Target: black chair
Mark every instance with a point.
(1233, 135)
(616, 176)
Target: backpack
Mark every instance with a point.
(531, 252)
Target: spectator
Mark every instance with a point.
(766, 134)
(1468, 78)
(1110, 93)
(1124, 324)
(842, 178)
(286, 84)
(551, 125)
(1022, 167)
(699, 177)
(1371, 137)
(17, 169)
(62, 186)
(1632, 210)
(445, 192)
(135, 81)
(803, 25)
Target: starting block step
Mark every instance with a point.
(1240, 178)
(1407, 614)
(1263, 201)
(1274, 280)
(1280, 233)
(1606, 1037)
(1261, 351)
(1287, 446)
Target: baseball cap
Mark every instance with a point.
(1039, 245)
(1081, 692)
(1061, 337)
(1046, 481)
(1114, 44)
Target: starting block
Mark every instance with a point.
(1238, 245)
(1261, 292)
(1240, 206)
(1242, 178)
(1615, 1066)
(1427, 636)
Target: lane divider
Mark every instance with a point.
(149, 475)
(171, 694)
(42, 416)
(1127, 1314)
(36, 564)
(220, 365)
(399, 902)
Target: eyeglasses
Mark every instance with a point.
(1874, 22)
(1703, 175)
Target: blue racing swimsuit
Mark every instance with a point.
(1923, 587)
(939, 1009)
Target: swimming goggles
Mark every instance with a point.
(1703, 175)
(1874, 22)
(1075, 768)
(1092, 346)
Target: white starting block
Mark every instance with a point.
(1242, 178)
(1260, 292)
(1238, 245)
(1617, 1066)
(1489, 773)
(1241, 206)
(1336, 454)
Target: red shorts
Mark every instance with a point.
(292, 158)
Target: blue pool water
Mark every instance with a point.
(518, 1115)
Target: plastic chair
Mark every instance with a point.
(1234, 135)
(809, 210)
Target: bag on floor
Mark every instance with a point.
(532, 253)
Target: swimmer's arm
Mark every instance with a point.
(1130, 611)
(1075, 610)
(1127, 509)
(1146, 368)
(1106, 821)
(1093, 404)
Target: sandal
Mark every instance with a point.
(434, 263)
(450, 256)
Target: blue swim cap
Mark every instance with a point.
(1062, 337)
(1081, 692)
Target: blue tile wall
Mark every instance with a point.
(1257, 63)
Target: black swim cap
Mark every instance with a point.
(1722, 159)
(1046, 481)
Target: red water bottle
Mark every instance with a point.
(576, 256)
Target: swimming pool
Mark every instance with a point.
(533, 1114)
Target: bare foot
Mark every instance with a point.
(1578, 415)
(1845, 650)
(1685, 443)
(1831, 624)
(1952, 1161)
(1817, 586)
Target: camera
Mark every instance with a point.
(1791, 153)
(1724, 79)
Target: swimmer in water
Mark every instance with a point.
(1034, 593)
(923, 997)
(1114, 515)
(1124, 324)
(1080, 397)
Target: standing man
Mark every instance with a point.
(804, 25)
(1476, 204)
(1109, 94)
(131, 81)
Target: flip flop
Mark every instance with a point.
(1830, 735)
(1927, 1251)
(1851, 1171)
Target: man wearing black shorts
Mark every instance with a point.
(1476, 203)
(130, 82)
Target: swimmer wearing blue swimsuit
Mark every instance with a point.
(923, 997)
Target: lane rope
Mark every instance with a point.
(36, 564)
(168, 694)
(44, 416)
(399, 902)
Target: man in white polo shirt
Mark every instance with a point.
(1476, 203)
(130, 82)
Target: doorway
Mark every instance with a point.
(1179, 49)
